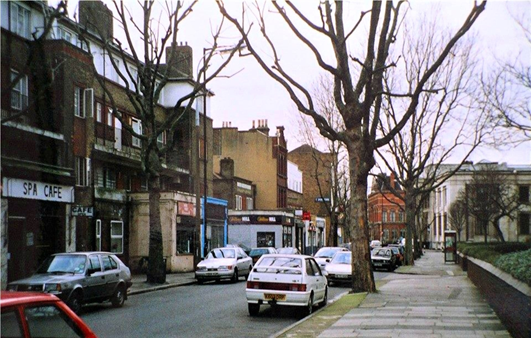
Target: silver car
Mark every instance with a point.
(78, 278)
(224, 263)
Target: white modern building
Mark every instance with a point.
(514, 228)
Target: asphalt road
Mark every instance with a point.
(209, 310)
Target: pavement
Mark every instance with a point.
(431, 299)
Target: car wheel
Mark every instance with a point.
(118, 298)
(235, 276)
(199, 281)
(75, 302)
(253, 309)
(390, 268)
(325, 298)
(309, 307)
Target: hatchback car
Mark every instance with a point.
(339, 270)
(32, 314)
(325, 254)
(287, 280)
(256, 253)
(383, 258)
(288, 251)
(398, 253)
(80, 277)
(224, 263)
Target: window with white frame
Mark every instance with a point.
(82, 44)
(136, 124)
(109, 117)
(117, 237)
(99, 112)
(98, 235)
(88, 98)
(64, 34)
(110, 179)
(20, 20)
(384, 216)
(161, 139)
(249, 201)
(78, 102)
(239, 203)
(82, 171)
(393, 217)
(19, 93)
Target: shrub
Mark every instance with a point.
(518, 264)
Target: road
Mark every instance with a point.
(209, 310)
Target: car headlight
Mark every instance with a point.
(52, 287)
(201, 268)
(225, 267)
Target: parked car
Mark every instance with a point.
(339, 270)
(256, 253)
(383, 258)
(325, 254)
(78, 278)
(288, 251)
(224, 263)
(245, 248)
(375, 244)
(33, 314)
(287, 280)
(398, 252)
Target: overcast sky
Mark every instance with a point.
(251, 95)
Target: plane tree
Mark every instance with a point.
(359, 85)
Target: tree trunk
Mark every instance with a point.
(410, 223)
(498, 230)
(362, 275)
(156, 268)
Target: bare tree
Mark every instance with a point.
(445, 121)
(145, 47)
(507, 90)
(491, 195)
(359, 91)
(335, 200)
(457, 214)
(37, 65)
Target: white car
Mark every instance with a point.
(224, 263)
(325, 254)
(288, 280)
(339, 270)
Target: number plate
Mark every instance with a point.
(210, 273)
(342, 276)
(270, 296)
(378, 264)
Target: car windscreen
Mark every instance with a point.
(74, 264)
(258, 252)
(382, 253)
(326, 253)
(342, 258)
(283, 265)
(221, 253)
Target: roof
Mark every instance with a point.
(11, 298)
(305, 148)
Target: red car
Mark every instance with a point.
(31, 314)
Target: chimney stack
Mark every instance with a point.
(181, 65)
(227, 167)
(96, 17)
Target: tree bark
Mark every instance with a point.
(156, 269)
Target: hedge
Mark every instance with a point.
(511, 257)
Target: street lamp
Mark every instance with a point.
(203, 226)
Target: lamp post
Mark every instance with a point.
(201, 252)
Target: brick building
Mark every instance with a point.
(72, 176)
(316, 167)
(386, 210)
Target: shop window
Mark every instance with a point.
(249, 201)
(185, 241)
(98, 235)
(265, 239)
(117, 236)
(19, 93)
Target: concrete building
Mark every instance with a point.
(386, 210)
(257, 157)
(514, 228)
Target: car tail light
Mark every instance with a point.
(298, 287)
(253, 285)
(276, 286)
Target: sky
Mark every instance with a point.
(244, 93)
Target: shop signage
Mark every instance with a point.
(14, 187)
(306, 216)
(79, 210)
(239, 219)
(186, 209)
(322, 199)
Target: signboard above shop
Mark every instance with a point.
(80, 210)
(35, 190)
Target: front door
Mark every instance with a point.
(19, 252)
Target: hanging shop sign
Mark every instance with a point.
(80, 210)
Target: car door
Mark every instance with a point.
(111, 272)
(95, 279)
(242, 263)
(318, 280)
